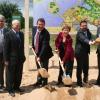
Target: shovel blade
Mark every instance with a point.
(43, 72)
(67, 81)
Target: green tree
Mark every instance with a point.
(30, 22)
(8, 10)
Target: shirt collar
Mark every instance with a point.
(13, 30)
(38, 31)
(2, 29)
(85, 32)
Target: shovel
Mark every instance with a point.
(97, 40)
(42, 71)
(66, 78)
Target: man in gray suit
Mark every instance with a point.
(3, 31)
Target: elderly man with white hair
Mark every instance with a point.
(3, 31)
(14, 57)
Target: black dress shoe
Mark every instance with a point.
(44, 84)
(2, 88)
(97, 83)
(85, 80)
(19, 90)
(37, 84)
(59, 83)
(12, 94)
(80, 84)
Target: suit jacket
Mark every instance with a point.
(13, 49)
(45, 51)
(5, 30)
(82, 42)
(68, 49)
(98, 35)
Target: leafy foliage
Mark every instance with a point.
(8, 10)
(92, 14)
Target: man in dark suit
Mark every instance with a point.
(40, 43)
(82, 50)
(98, 54)
(14, 57)
(3, 31)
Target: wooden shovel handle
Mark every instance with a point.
(60, 62)
(36, 56)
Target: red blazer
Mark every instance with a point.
(69, 52)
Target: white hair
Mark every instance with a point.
(2, 17)
(15, 21)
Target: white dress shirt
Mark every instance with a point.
(1, 40)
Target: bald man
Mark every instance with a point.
(14, 57)
(3, 31)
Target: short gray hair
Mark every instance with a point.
(2, 17)
(15, 21)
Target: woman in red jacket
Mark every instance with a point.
(63, 44)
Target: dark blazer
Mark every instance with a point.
(98, 33)
(82, 42)
(13, 49)
(45, 51)
(68, 51)
(5, 30)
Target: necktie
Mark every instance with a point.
(18, 37)
(85, 33)
(37, 42)
(1, 31)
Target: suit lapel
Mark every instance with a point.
(41, 36)
(17, 41)
(88, 35)
(34, 30)
(4, 31)
(14, 35)
(20, 36)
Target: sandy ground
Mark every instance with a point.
(61, 93)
